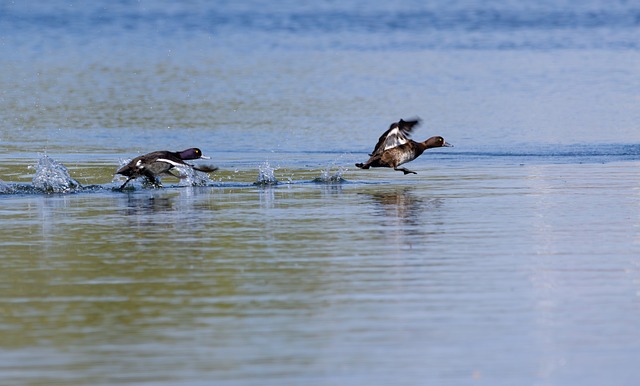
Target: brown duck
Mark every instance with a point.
(395, 148)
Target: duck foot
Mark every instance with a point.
(125, 183)
(405, 171)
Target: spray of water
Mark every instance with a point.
(5, 188)
(266, 174)
(191, 177)
(327, 177)
(117, 178)
(53, 177)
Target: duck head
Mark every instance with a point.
(192, 153)
(437, 141)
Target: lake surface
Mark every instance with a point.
(512, 258)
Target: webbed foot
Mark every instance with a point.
(405, 171)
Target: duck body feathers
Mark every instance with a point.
(395, 147)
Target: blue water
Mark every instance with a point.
(511, 258)
(404, 25)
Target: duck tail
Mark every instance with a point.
(362, 166)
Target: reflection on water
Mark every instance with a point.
(234, 282)
(406, 218)
(266, 195)
(405, 207)
(138, 204)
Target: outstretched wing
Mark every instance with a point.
(398, 134)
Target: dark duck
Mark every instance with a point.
(159, 163)
(395, 147)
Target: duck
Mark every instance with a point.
(395, 147)
(158, 163)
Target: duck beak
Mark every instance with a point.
(205, 157)
(447, 144)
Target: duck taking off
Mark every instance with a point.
(395, 147)
(160, 163)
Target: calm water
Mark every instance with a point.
(511, 259)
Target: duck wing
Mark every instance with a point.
(397, 135)
(136, 165)
(173, 161)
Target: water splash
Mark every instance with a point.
(266, 174)
(123, 161)
(327, 178)
(118, 178)
(53, 177)
(192, 177)
(5, 188)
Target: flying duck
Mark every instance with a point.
(160, 163)
(395, 148)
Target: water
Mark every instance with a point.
(512, 258)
